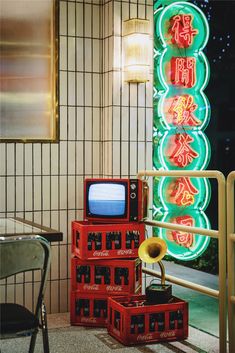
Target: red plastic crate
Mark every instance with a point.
(119, 277)
(94, 241)
(131, 321)
(88, 309)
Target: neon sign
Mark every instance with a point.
(181, 110)
(182, 31)
(183, 192)
(183, 154)
(181, 114)
(184, 239)
(183, 71)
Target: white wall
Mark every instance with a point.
(105, 130)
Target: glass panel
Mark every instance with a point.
(27, 70)
(12, 226)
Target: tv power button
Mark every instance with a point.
(133, 195)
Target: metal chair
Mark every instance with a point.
(18, 255)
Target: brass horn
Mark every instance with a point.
(152, 250)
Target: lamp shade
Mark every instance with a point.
(136, 42)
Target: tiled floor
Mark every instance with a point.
(64, 338)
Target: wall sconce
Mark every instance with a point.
(136, 42)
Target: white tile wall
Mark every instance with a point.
(105, 130)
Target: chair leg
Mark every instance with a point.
(33, 341)
(44, 329)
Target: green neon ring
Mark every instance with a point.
(183, 253)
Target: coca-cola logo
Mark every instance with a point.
(116, 331)
(89, 319)
(91, 287)
(101, 253)
(167, 334)
(114, 288)
(144, 337)
(125, 252)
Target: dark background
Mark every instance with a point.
(220, 91)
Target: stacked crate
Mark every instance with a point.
(104, 263)
(132, 320)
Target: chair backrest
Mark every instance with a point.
(25, 253)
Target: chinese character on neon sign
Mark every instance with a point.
(183, 71)
(183, 154)
(182, 30)
(181, 238)
(183, 192)
(182, 109)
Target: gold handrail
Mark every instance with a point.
(187, 284)
(195, 230)
(220, 234)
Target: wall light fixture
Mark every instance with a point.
(136, 42)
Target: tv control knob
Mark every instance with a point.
(133, 195)
(133, 186)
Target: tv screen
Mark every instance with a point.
(107, 199)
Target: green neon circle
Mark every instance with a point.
(162, 81)
(162, 156)
(163, 120)
(164, 203)
(200, 244)
(162, 17)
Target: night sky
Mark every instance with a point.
(221, 87)
(220, 91)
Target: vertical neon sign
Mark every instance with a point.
(181, 114)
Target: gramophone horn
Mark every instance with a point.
(152, 250)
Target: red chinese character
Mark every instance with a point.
(182, 109)
(183, 154)
(182, 31)
(181, 238)
(183, 192)
(183, 71)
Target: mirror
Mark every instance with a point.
(28, 70)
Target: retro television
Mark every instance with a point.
(115, 200)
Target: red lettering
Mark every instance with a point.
(182, 30)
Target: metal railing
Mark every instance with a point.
(231, 260)
(220, 234)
